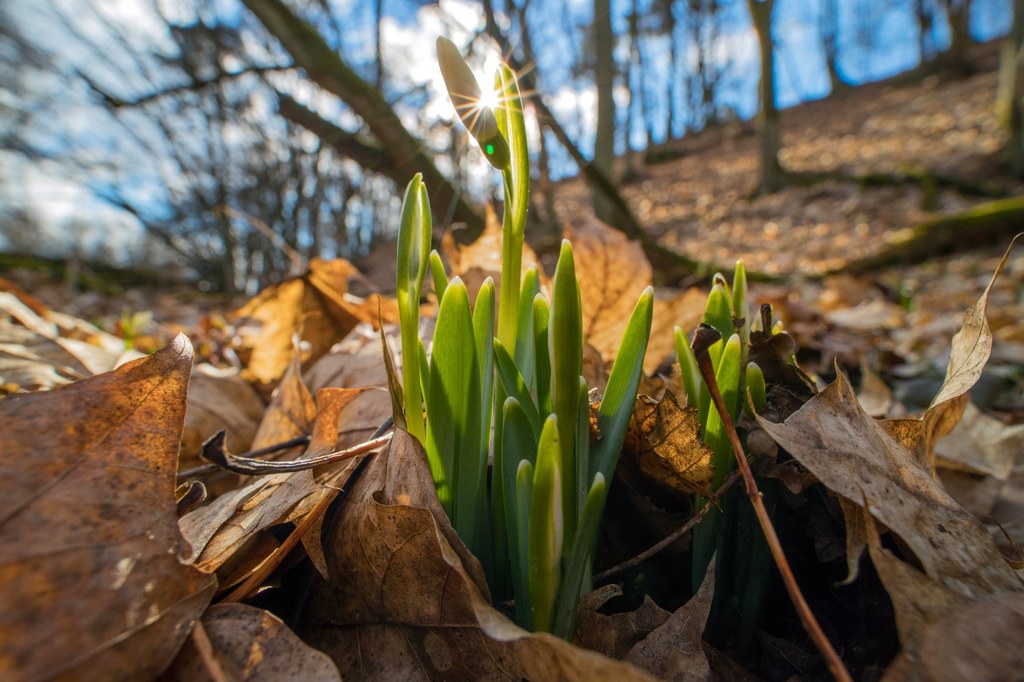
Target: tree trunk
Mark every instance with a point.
(1010, 96)
(322, 65)
(771, 174)
(830, 42)
(604, 77)
(954, 59)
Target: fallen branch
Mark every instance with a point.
(704, 337)
(987, 222)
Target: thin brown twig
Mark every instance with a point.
(674, 535)
(276, 447)
(215, 451)
(702, 340)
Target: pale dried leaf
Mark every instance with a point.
(972, 345)
(93, 582)
(856, 457)
(252, 645)
(218, 402)
(317, 304)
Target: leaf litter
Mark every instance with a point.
(390, 544)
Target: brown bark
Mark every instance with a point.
(771, 176)
(1010, 96)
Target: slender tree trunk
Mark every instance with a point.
(1010, 95)
(955, 57)
(830, 42)
(672, 87)
(771, 174)
(604, 76)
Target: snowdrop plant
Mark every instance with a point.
(515, 359)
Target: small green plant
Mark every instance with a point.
(730, 530)
(515, 362)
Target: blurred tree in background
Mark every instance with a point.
(246, 136)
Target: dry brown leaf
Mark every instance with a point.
(252, 645)
(316, 303)
(980, 642)
(674, 651)
(667, 447)
(972, 345)
(93, 584)
(613, 272)
(220, 529)
(614, 635)
(406, 599)
(684, 310)
(218, 402)
(945, 635)
(482, 259)
(291, 410)
(856, 457)
(874, 395)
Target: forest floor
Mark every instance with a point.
(884, 158)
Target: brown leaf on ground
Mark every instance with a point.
(856, 457)
(665, 441)
(684, 310)
(407, 601)
(945, 635)
(482, 259)
(615, 634)
(667, 645)
(674, 650)
(215, 402)
(613, 271)
(252, 645)
(316, 303)
(223, 527)
(93, 582)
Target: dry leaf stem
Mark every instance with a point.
(674, 535)
(215, 451)
(702, 340)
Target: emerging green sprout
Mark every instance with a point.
(518, 364)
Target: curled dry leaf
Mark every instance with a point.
(665, 441)
(252, 645)
(674, 650)
(93, 580)
(667, 645)
(316, 303)
(407, 601)
(892, 463)
(615, 634)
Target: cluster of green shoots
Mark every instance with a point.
(729, 529)
(515, 363)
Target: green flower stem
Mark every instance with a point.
(413, 245)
